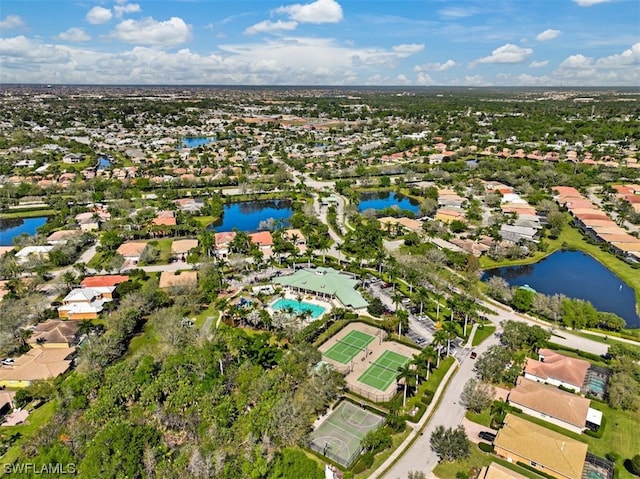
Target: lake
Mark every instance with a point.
(10, 228)
(387, 199)
(194, 142)
(247, 215)
(577, 275)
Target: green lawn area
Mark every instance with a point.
(97, 262)
(384, 455)
(145, 342)
(482, 333)
(483, 417)
(620, 435)
(28, 214)
(205, 221)
(571, 238)
(36, 419)
(164, 246)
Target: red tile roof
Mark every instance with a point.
(103, 281)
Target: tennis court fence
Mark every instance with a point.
(367, 393)
(327, 452)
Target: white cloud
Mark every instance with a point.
(409, 48)
(120, 10)
(589, 3)
(475, 80)
(320, 11)
(627, 57)
(507, 53)
(149, 31)
(435, 67)
(99, 15)
(11, 21)
(577, 61)
(424, 79)
(458, 12)
(402, 79)
(548, 34)
(75, 35)
(20, 52)
(267, 26)
(539, 64)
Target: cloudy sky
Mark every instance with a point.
(321, 42)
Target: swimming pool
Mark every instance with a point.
(298, 306)
(597, 385)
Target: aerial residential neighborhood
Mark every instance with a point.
(411, 266)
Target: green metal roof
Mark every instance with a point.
(328, 281)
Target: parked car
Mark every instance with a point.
(487, 436)
(8, 362)
(473, 355)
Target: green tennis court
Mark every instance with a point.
(348, 347)
(384, 370)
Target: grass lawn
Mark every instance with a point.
(97, 262)
(205, 221)
(384, 455)
(202, 317)
(620, 435)
(145, 342)
(483, 417)
(482, 333)
(36, 419)
(164, 246)
(571, 238)
(28, 214)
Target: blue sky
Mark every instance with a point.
(322, 42)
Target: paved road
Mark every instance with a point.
(449, 413)
(559, 336)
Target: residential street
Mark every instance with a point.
(449, 413)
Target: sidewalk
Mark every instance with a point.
(417, 428)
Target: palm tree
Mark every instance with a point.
(403, 320)
(450, 330)
(422, 295)
(439, 340)
(438, 297)
(428, 355)
(405, 373)
(397, 298)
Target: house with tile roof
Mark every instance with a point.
(222, 241)
(536, 446)
(132, 251)
(178, 279)
(54, 333)
(569, 411)
(181, 248)
(84, 303)
(557, 369)
(35, 365)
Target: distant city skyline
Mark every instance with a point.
(322, 42)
